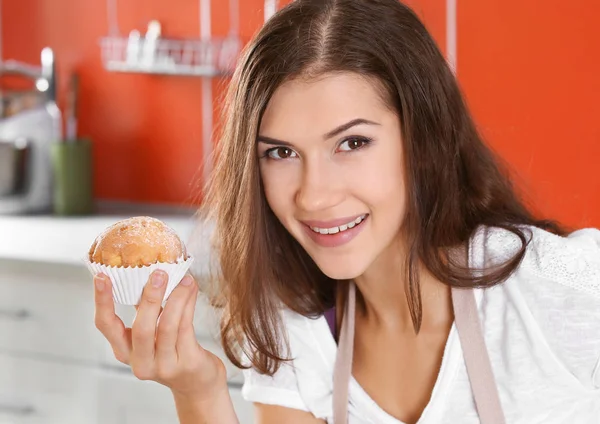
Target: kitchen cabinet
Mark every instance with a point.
(123, 400)
(47, 309)
(38, 391)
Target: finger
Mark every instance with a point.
(143, 331)
(107, 321)
(186, 340)
(137, 307)
(168, 325)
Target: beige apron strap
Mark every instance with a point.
(476, 357)
(477, 360)
(343, 362)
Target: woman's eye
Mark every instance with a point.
(353, 144)
(280, 153)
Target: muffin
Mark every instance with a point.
(136, 242)
(130, 250)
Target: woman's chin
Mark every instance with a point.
(342, 271)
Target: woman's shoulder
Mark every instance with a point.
(304, 381)
(556, 291)
(311, 344)
(572, 261)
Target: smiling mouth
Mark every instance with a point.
(340, 228)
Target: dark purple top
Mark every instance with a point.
(330, 317)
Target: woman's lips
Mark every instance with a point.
(340, 237)
(332, 223)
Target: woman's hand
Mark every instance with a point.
(162, 345)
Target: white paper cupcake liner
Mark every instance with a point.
(128, 283)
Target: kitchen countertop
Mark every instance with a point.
(66, 240)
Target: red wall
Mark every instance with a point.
(530, 75)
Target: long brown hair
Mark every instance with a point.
(455, 182)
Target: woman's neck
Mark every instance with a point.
(382, 299)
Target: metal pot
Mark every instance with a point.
(13, 166)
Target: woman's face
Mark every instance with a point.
(330, 155)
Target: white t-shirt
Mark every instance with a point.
(541, 328)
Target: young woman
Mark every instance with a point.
(350, 177)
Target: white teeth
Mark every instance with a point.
(341, 228)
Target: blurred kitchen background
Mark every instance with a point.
(107, 110)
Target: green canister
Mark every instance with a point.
(73, 180)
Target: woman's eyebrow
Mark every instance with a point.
(272, 141)
(347, 126)
(330, 134)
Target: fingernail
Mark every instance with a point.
(100, 283)
(159, 278)
(187, 280)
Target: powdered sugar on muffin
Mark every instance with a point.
(135, 242)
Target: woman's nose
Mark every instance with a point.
(320, 188)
